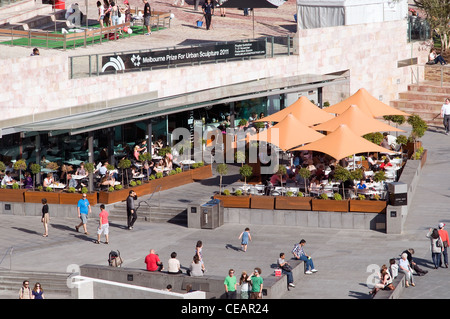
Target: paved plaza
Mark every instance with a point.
(341, 256)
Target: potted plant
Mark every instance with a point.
(90, 168)
(124, 164)
(282, 172)
(239, 200)
(305, 174)
(20, 166)
(294, 202)
(401, 140)
(246, 171)
(418, 129)
(35, 169)
(343, 175)
(221, 169)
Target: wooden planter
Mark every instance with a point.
(12, 195)
(113, 197)
(176, 180)
(233, 201)
(368, 206)
(37, 196)
(293, 202)
(330, 205)
(201, 173)
(73, 198)
(262, 202)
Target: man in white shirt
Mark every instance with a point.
(7, 180)
(445, 114)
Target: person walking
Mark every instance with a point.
(445, 114)
(131, 210)
(103, 226)
(436, 246)
(208, 12)
(445, 241)
(245, 237)
(230, 283)
(84, 208)
(45, 216)
(299, 253)
(25, 291)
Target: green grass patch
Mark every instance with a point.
(43, 42)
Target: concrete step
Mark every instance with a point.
(417, 105)
(26, 14)
(430, 87)
(176, 215)
(423, 96)
(52, 283)
(16, 6)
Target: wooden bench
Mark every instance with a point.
(157, 18)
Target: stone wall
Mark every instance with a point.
(31, 86)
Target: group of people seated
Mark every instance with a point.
(322, 167)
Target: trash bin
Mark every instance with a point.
(211, 214)
(193, 216)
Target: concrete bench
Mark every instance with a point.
(399, 284)
(213, 286)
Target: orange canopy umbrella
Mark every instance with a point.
(358, 121)
(302, 109)
(288, 133)
(367, 103)
(341, 143)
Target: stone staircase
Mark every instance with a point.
(426, 98)
(53, 284)
(24, 12)
(150, 213)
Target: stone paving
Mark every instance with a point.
(341, 256)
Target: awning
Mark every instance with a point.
(147, 109)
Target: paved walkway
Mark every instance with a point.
(341, 256)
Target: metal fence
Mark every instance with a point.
(418, 29)
(91, 65)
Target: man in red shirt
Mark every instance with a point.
(444, 236)
(153, 262)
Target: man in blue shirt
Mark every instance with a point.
(299, 253)
(84, 208)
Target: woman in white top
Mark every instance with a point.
(404, 267)
(244, 282)
(101, 13)
(48, 180)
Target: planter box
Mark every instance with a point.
(233, 201)
(262, 202)
(113, 197)
(201, 173)
(293, 203)
(12, 195)
(73, 198)
(368, 206)
(176, 180)
(330, 205)
(36, 197)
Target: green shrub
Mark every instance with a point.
(337, 196)
(118, 187)
(111, 189)
(159, 175)
(132, 183)
(226, 192)
(84, 190)
(300, 194)
(71, 190)
(324, 196)
(48, 189)
(238, 192)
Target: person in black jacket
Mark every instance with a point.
(131, 209)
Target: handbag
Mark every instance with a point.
(286, 267)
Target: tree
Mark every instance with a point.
(90, 167)
(221, 169)
(246, 171)
(342, 174)
(305, 174)
(20, 166)
(281, 171)
(419, 127)
(35, 169)
(124, 164)
(437, 14)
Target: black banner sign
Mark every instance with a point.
(184, 55)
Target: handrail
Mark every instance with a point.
(157, 188)
(10, 252)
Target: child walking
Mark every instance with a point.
(245, 237)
